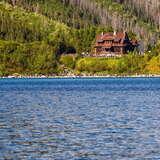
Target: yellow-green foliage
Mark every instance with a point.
(68, 61)
(35, 57)
(153, 66)
(19, 25)
(153, 63)
(96, 64)
(129, 64)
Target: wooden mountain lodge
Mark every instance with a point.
(113, 44)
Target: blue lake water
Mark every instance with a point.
(80, 119)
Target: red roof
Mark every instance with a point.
(118, 40)
(117, 37)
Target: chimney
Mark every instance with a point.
(114, 33)
(102, 34)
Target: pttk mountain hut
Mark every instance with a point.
(113, 44)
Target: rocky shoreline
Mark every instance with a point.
(80, 76)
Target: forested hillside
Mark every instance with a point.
(121, 17)
(34, 33)
(148, 10)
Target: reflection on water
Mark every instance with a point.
(81, 119)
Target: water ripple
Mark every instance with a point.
(80, 119)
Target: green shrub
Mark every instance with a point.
(68, 61)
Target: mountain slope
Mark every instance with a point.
(120, 18)
(21, 32)
(58, 10)
(149, 10)
(83, 13)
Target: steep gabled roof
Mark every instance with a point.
(116, 37)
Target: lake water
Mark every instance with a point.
(80, 119)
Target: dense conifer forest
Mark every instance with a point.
(36, 36)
